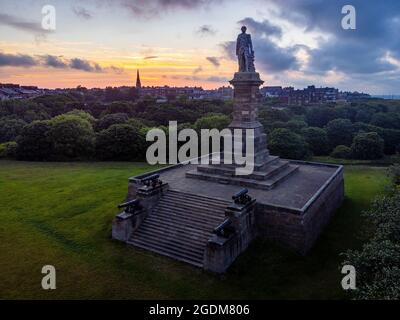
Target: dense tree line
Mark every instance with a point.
(79, 124)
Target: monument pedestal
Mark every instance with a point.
(268, 170)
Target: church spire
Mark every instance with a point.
(138, 83)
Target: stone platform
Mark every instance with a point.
(292, 213)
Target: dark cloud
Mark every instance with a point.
(54, 62)
(22, 60)
(197, 70)
(18, 23)
(359, 51)
(149, 9)
(206, 30)
(84, 65)
(217, 79)
(214, 61)
(269, 57)
(263, 28)
(150, 57)
(81, 12)
(16, 60)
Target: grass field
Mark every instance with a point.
(60, 214)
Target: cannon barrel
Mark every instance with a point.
(129, 203)
(240, 193)
(223, 227)
(149, 178)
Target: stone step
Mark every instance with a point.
(180, 226)
(175, 222)
(177, 214)
(178, 241)
(199, 209)
(256, 175)
(203, 199)
(265, 185)
(197, 262)
(164, 231)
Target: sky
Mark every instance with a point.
(99, 43)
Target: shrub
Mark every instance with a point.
(317, 139)
(120, 142)
(218, 121)
(34, 142)
(72, 137)
(110, 119)
(10, 128)
(341, 152)
(8, 149)
(287, 144)
(367, 146)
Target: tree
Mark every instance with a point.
(377, 263)
(34, 142)
(8, 149)
(110, 119)
(367, 146)
(72, 137)
(218, 121)
(341, 152)
(288, 144)
(10, 128)
(120, 142)
(340, 132)
(386, 120)
(320, 116)
(317, 139)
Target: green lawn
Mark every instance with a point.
(60, 214)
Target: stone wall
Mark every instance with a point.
(299, 229)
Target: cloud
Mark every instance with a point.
(54, 62)
(150, 57)
(153, 8)
(20, 24)
(81, 12)
(16, 60)
(206, 30)
(263, 28)
(269, 57)
(197, 70)
(51, 61)
(360, 51)
(84, 65)
(214, 61)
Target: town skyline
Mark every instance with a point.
(189, 43)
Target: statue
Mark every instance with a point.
(245, 52)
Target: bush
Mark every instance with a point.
(341, 152)
(8, 149)
(340, 132)
(72, 137)
(10, 128)
(320, 116)
(218, 121)
(367, 146)
(317, 139)
(287, 144)
(34, 142)
(120, 142)
(377, 263)
(110, 119)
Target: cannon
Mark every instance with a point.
(224, 229)
(241, 197)
(152, 181)
(131, 206)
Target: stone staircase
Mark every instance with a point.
(180, 226)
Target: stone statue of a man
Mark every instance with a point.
(245, 52)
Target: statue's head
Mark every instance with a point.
(244, 29)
